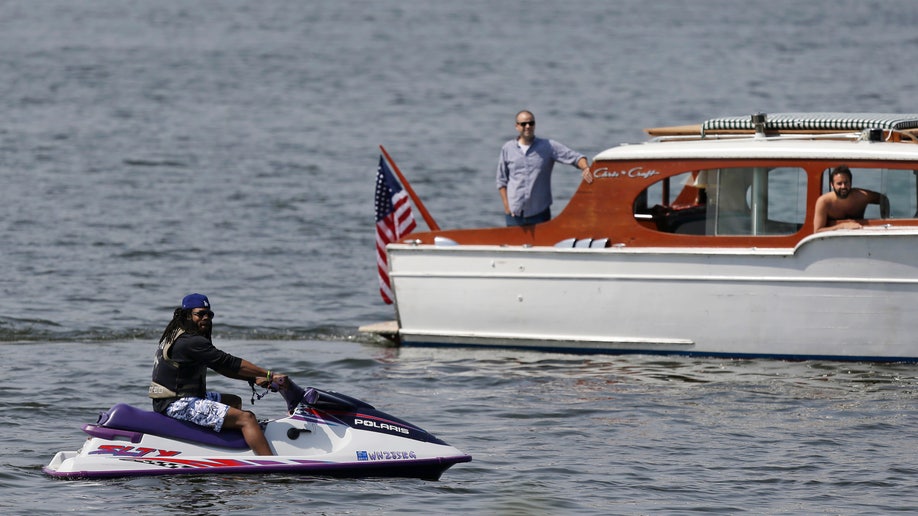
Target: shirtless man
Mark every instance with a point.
(844, 206)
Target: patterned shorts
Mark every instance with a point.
(206, 411)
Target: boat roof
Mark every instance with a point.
(771, 148)
(817, 121)
(845, 136)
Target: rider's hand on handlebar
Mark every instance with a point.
(276, 378)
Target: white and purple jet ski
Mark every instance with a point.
(324, 433)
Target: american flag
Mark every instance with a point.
(393, 221)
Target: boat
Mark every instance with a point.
(700, 241)
(324, 433)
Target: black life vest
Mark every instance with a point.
(173, 379)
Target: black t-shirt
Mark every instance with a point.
(197, 350)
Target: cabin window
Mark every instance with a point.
(727, 202)
(899, 186)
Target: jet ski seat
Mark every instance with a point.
(126, 417)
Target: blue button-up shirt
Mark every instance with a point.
(527, 176)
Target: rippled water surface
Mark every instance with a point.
(151, 149)
(549, 433)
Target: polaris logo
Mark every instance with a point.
(381, 426)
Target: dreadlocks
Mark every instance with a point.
(181, 323)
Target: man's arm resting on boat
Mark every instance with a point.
(584, 167)
(883, 201)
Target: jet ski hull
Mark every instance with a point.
(343, 437)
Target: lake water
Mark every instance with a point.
(152, 149)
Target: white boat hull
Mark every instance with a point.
(841, 295)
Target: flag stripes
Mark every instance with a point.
(393, 221)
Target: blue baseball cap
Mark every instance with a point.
(195, 301)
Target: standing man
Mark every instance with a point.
(524, 173)
(179, 386)
(844, 206)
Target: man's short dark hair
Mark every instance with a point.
(841, 169)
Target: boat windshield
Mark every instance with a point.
(760, 201)
(730, 201)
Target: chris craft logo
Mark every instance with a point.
(636, 172)
(381, 426)
(386, 455)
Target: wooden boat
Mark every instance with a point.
(699, 241)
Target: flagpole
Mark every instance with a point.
(431, 223)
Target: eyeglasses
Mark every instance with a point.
(200, 314)
(524, 124)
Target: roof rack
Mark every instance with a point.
(849, 126)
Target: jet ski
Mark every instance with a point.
(324, 433)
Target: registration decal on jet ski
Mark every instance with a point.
(386, 455)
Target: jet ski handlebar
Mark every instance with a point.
(295, 396)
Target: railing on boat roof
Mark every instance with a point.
(888, 127)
